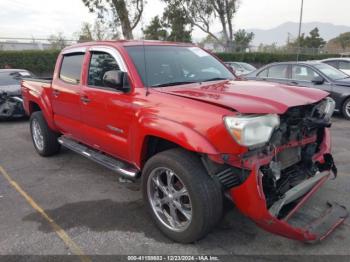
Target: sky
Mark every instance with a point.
(41, 18)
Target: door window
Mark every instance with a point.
(263, 74)
(344, 65)
(100, 63)
(278, 71)
(303, 73)
(332, 63)
(71, 67)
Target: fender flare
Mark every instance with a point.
(171, 131)
(43, 101)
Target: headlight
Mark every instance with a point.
(251, 130)
(325, 109)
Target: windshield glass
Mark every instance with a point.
(331, 72)
(175, 65)
(248, 67)
(12, 78)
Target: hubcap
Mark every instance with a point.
(169, 199)
(347, 108)
(37, 135)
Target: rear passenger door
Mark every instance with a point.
(275, 73)
(65, 96)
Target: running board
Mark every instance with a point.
(124, 169)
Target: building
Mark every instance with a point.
(20, 46)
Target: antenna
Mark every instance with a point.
(146, 73)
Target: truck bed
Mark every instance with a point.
(45, 80)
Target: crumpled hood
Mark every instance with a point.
(11, 90)
(249, 97)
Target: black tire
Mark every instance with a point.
(50, 144)
(345, 109)
(205, 193)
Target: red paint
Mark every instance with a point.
(190, 116)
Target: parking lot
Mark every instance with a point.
(97, 214)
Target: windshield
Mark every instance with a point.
(175, 65)
(12, 77)
(248, 67)
(331, 72)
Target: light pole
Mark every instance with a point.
(299, 34)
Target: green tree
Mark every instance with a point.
(314, 40)
(155, 30)
(177, 22)
(98, 31)
(203, 13)
(242, 39)
(343, 40)
(126, 13)
(85, 34)
(57, 41)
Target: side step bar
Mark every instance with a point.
(124, 169)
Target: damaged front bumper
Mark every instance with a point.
(283, 216)
(11, 107)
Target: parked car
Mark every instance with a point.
(11, 103)
(310, 74)
(343, 64)
(241, 68)
(173, 116)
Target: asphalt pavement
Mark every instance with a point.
(100, 215)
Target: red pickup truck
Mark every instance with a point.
(176, 117)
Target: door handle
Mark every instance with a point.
(55, 93)
(85, 99)
(294, 83)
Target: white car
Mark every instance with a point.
(343, 64)
(241, 68)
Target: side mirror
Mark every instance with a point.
(117, 80)
(318, 80)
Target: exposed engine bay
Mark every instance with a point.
(10, 106)
(11, 102)
(293, 165)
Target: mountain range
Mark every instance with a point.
(279, 34)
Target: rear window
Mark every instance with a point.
(344, 65)
(71, 68)
(332, 63)
(13, 77)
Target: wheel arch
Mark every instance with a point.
(39, 105)
(160, 135)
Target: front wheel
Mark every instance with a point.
(346, 109)
(184, 201)
(44, 139)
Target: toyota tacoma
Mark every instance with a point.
(175, 116)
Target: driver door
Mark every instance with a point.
(105, 111)
(303, 75)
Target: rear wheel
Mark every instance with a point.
(346, 109)
(184, 201)
(44, 139)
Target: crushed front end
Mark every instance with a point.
(276, 179)
(11, 106)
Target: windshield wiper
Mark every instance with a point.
(215, 79)
(174, 83)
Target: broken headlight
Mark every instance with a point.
(252, 130)
(324, 110)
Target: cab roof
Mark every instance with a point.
(129, 43)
